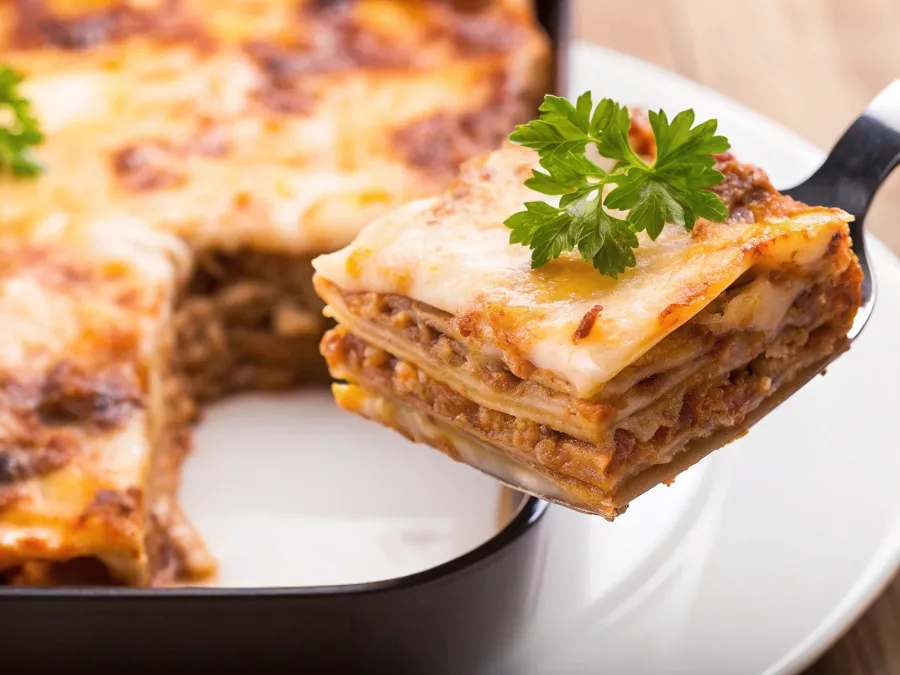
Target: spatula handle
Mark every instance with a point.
(860, 161)
(856, 168)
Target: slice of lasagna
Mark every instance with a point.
(568, 384)
(89, 448)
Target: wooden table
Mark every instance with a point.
(811, 65)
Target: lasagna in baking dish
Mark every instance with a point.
(89, 448)
(198, 154)
(263, 134)
(577, 387)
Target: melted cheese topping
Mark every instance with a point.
(72, 296)
(282, 125)
(454, 253)
(276, 125)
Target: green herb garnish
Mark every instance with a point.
(19, 129)
(670, 190)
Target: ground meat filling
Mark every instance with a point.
(433, 335)
(700, 405)
(248, 320)
(435, 331)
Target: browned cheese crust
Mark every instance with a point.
(255, 136)
(269, 131)
(89, 461)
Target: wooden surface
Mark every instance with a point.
(811, 65)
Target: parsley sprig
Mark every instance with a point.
(670, 190)
(19, 130)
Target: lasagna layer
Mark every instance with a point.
(89, 456)
(423, 335)
(729, 383)
(586, 388)
(246, 321)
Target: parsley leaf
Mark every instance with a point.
(19, 131)
(561, 126)
(673, 189)
(605, 241)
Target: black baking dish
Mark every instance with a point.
(457, 617)
(454, 618)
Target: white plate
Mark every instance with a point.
(751, 563)
(756, 560)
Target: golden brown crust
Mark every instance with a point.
(262, 133)
(149, 165)
(264, 125)
(103, 400)
(313, 36)
(32, 456)
(81, 325)
(37, 23)
(48, 420)
(440, 143)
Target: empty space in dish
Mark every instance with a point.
(288, 490)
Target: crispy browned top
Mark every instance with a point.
(282, 125)
(40, 411)
(72, 360)
(82, 325)
(440, 143)
(45, 23)
(289, 37)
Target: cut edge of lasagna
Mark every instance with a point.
(90, 442)
(249, 142)
(581, 389)
(249, 153)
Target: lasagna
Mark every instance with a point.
(223, 144)
(575, 387)
(89, 448)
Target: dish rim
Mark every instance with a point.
(528, 514)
